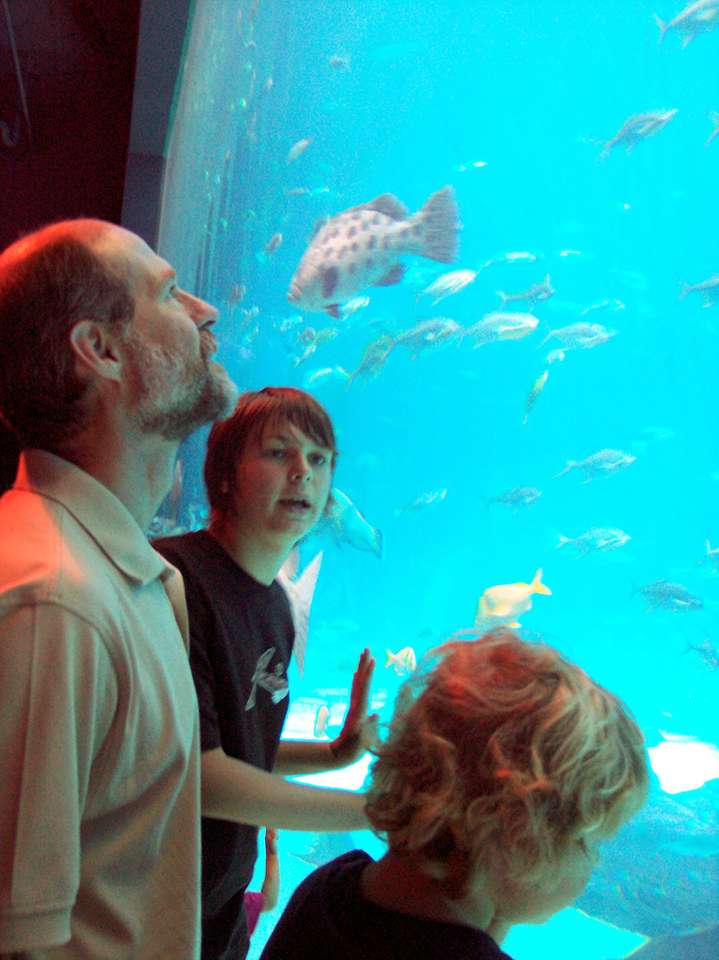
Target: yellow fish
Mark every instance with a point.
(502, 604)
(404, 661)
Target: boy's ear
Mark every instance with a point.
(95, 349)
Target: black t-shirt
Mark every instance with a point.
(327, 918)
(241, 637)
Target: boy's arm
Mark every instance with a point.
(357, 734)
(237, 791)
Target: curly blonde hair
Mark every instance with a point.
(498, 758)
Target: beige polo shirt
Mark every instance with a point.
(99, 750)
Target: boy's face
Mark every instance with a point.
(282, 482)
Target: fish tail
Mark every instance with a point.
(441, 223)
(662, 26)
(502, 296)
(684, 290)
(391, 657)
(538, 586)
(563, 541)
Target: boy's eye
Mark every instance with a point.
(276, 452)
(318, 459)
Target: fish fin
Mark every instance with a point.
(323, 221)
(291, 564)
(387, 204)
(333, 310)
(393, 275)
(538, 586)
(330, 276)
(441, 223)
(662, 26)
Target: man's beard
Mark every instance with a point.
(173, 395)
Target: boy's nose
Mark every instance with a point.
(300, 470)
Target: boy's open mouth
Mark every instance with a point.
(296, 503)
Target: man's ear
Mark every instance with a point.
(95, 349)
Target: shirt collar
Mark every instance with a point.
(106, 519)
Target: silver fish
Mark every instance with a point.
(517, 497)
(709, 289)
(670, 596)
(581, 335)
(360, 247)
(603, 305)
(707, 651)
(449, 284)
(428, 333)
(698, 17)
(374, 358)
(501, 326)
(538, 291)
(596, 538)
(605, 462)
(424, 500)
(638, 127)
(512, 256)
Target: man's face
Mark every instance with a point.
(173, 385)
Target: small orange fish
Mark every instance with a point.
(402, 662)
(321, 719)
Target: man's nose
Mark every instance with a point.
(200, 310)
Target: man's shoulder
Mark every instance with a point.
(46, 556)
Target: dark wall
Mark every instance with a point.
(77, 63)
(77, 66)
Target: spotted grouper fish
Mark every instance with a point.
(359, 248)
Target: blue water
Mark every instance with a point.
(532, 92)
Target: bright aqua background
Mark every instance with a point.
(533, 91)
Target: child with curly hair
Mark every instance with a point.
(504, 770)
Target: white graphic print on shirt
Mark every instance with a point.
(273, 681)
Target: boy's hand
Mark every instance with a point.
(358, 731)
